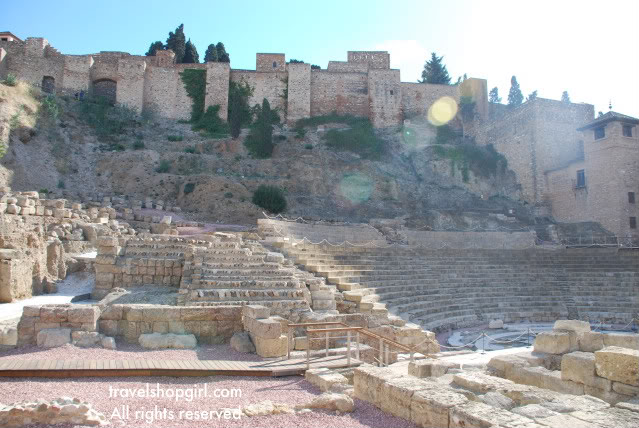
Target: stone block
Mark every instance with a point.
(430, 408)
(112, 312)
(108, 327)
(54, 314)
(324, 378)
(623, 340)
(590, 341)
(83, 314)
(618, 364)
(86, 338)
(397, 393)
(169, 340)
(265, 328)
(161, 313)
(429, 368)
(572, 325)
(496, 324)
(270, 347)
(176, 327)
(622, 388)
(609, 396)
(241, 342)
(53, 337)
(160, 327)
(580, 367)
(256, 312)
(368, 382)
(31, 311)
(556, 342)
(198, 313)
(108, 242)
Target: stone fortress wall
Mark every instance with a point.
(365, 85)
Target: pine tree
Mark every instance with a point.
(296, 61)
(515, 97)
(564, 97)
(190, 54)
(222, 56)
(211, 53)
(315, 67)
(532, 96)
(493, 96)
(155, 46)
(435, 71)
(177, 43)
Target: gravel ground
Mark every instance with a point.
(100, 392)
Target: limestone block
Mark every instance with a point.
(555, 342)
(300, 343)
(270, 347)
(572, 325)
(161, 313)
(176, 327)
(368, 382)
(430, 368)
(331, 402)
(86, 338)
(551, 379)
(31, 311)
(430, 408)
(590, 341)
(608, 396)
(632, 405)
(13, 209)
(9, 336)
(580, 367)
(397, 393)
(169, 340)
(108, 327)
(160, 327)
(618, 364)
(198, 313)
(265, 328)
(53, 337)
(108, 242)
(241, 342)
(498, 400)
(622, 388)
(112, 312)
(54, 314)
(83, 314)
(623, 340)
(495, 324)
(477, 414)
(256, 311)
(324, 378)
(108, 343)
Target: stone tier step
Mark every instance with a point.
(249, 283)
(228, 295)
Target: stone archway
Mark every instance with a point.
(48, 85)
(105, 88)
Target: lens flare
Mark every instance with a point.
(442, 111)
(356, 188)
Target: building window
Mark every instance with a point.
(600, 133)
(581, 178)
(631, 197)
(4, 39)
(580, 149)
(274, 64)
(627, 131)
(391, 92)
(633, 222)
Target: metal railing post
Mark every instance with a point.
(327, 343)
(308, 349)
(348, 348)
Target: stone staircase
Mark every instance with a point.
(450, 288)
(234, 271)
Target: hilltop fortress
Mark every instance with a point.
(564, 166)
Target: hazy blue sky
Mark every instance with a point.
(588, 48)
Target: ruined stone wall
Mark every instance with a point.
(299, 92)
(269, 63)
(347, 67)
(165, 94)
(105, 66)
(344, 93)
(271, 86)
(130, 87)
(210, 325)
(76, 72)
(418, 97)
(3, 63)
(35, 318)
(385, 97)
(375, 59)
(217, 82)
(461, 240)
(35, 60)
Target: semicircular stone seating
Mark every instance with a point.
(453, 288)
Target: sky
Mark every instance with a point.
(588, 48)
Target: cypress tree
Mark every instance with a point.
(222, 56)
(435, 71)
(493, 96)
(239, 110)
(155, 46)
(177, 43)
(515, 97)
(211, 54)
(565, 98)
(190, 54)
(532, 96)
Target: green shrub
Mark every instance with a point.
(164, 167)
(175, 138)
(484, 161)
(211, 123)
(446, 135)
(360, 139)
(190, 149)
(347, 119)
(189, 188)
(228, 195)
(259, 142)
(281, 137)
(50, 109)
(138, 145)
(11, 80)
(45, 191)
(300, 133)
(271, 198)
(308, 147)
(194, 81)
(61, 184)
(117, 147)
(239, 111)
(107, 120)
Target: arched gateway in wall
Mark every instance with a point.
(104, 88)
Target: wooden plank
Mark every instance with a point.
(59, 364)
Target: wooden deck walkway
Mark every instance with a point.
(102, 368)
